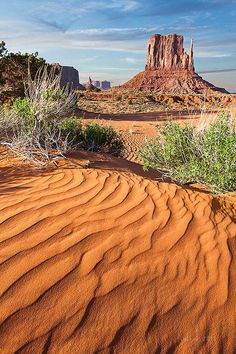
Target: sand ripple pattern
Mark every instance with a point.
(133, 142)
(104, 262)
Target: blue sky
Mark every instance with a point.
(108, 39)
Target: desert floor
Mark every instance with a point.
(137, 127)
(98, 256)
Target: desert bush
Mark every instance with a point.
(94, 136)
(101, 138)
(204, 154)
(72, 130)
(33, 127)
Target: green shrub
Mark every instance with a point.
(114, 142)
(189, 154)
(94, 135)
(53, 94)
(35, 127)
(31, 128)
(72, 129)
(22, 108)
(100, 138)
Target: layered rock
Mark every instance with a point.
(169, 69)
(167, 53)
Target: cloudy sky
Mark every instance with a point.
(107, 39)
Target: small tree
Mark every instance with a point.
(3, 49)
(14, 70)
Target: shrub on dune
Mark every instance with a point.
(72, 130)
(203, 154)
(32, 127)
(37, 129)
(102, 138)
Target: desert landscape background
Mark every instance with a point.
(117, 201)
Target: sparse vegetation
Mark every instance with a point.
(102, 138)
(92, 136)
(117, 102)
(203, 154)
(130, 101)
(32, 127)
(36, 128)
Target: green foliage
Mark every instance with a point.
(114, 142)
(72, 129)
(34, 126)
(22, 108)
(94, 135)
(14, 70)
(100, 138)
(189, 154)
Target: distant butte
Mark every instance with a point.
(169, 69)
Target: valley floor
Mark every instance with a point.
(98, 256)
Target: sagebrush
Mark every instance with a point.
(41, 126)
(196, 154)
(32, 127)
(92, 136)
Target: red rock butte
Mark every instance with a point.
(169, 69)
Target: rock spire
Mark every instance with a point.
(169, 69)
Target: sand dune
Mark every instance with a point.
(100, 261)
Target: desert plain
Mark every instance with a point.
(99, 256)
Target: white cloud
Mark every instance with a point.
(210, 54)
(131, 60)
(16, 34)
(130, 5)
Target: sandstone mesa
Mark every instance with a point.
(169, 69)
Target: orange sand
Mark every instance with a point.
(103, 260)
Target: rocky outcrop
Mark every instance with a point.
(102, 85)
(69, 76)
(89, 86)
(169, 69)
(167, 53)
(92, 85)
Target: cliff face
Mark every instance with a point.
(169, 69)
(69, 76)
(167, 53)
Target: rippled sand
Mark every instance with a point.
(103, 260)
